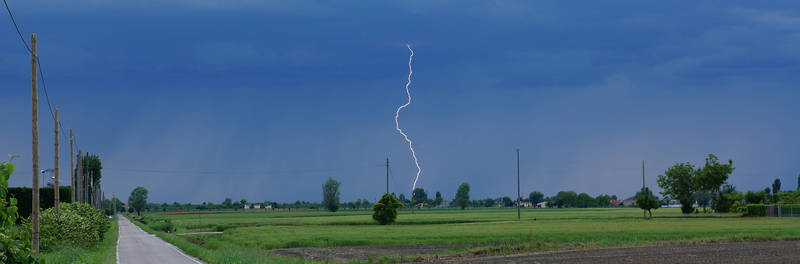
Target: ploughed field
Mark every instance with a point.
(266, 237)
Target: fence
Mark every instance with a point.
(783, 211)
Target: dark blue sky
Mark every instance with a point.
(263, 100)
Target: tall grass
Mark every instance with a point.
(102, 252)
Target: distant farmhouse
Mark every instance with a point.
(525, 204)
(671, 204)
(253, 206)
(541, 205)
(631, 201)
(616, 203)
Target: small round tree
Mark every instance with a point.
(647, 201)
(385, 210)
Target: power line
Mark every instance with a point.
(38, 63)
(167, 171)
(14, 21)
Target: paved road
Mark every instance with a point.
(728, 253)
(136, 246)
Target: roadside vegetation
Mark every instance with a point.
(79, 233)
(105, 251)
(15, 245)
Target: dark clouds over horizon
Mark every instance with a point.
(264, 100)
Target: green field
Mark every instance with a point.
(249, 235)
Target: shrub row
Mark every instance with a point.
(756, 210)
(76, 225)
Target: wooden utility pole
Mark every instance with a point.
(55, 168)
(35, 156)
(78, 183)
(642, 175)
(387, 175)
(88, 186)
(643, 193)
(518, 196)
(72, 166)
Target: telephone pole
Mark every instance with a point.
(35, 156)
(387, 175)
(518, 196)
(79, 179)
(55, 168)
(72, 166)
(642, 175)
(643, 193)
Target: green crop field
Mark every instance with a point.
(249, 236)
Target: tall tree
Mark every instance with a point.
(712, 176)
(507, 202)
(566, 199)
(243, 202)
(603, 200)
(798, 182)
(228, 203)
(418, 196)
(138, 199)
(776, 186)
(92, 173)
(462, 196)
(584, 200)
(678, 184)
(330, 195)
(535, 197)
(438, 200)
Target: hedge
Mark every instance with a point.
(756, 210)
(46, 198)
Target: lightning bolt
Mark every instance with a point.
(397, 116)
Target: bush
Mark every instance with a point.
(163, 225)
(76, 225)
(755, 210)
(736, 207)
(96, 217)
(385, 210)
(15, 245)
(139, 218)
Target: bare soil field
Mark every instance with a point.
(363, 253)
(739, 252)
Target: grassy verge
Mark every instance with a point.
(219, 254)
(103, 252)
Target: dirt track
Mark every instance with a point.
(743, 252)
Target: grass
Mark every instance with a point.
(102, 252)
(492, 231)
